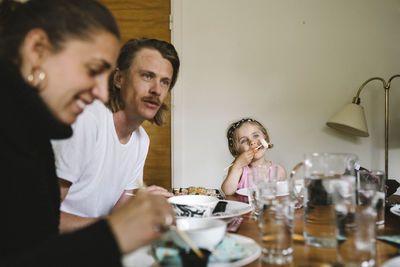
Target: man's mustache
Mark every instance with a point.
(153, 100)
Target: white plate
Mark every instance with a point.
(395, 210)
(394, 262)
(243, 191)
(282, 189)
(250, 244)
(233, 208)
(142, 257)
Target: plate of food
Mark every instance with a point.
(196, 190)
(232, 209)
(201, 206)
(233, 250)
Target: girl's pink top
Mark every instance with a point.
(244, 182)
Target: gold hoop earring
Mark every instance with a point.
(37, 78)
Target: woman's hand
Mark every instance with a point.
(138, 222)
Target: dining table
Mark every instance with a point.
(306, 255)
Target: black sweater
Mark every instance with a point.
(29, 192)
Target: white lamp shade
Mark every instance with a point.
(350, 119)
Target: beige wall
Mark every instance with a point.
(291, 65)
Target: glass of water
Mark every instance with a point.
(258, 175)
(367, 180)
(356, 228)
(322, 171)
(275, 221)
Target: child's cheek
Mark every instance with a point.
(243, 148)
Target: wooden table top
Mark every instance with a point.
(304, 255)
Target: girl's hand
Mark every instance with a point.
(244, 159)
(231, 181)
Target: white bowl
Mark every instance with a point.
(205, 233)
(193, 205)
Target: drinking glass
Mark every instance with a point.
(355, 231)
(275, 221)
(296, 186)
(376, 179)
(257, 175)
(321, 172)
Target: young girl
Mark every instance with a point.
(244, 137)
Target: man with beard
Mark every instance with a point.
(102, 164)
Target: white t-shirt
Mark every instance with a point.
(99, 167)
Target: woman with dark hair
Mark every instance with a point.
(55, 58)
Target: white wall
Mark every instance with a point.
(290, 64)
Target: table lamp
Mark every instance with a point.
(351, 118)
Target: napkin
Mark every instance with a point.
(228, 250)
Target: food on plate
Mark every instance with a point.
(195, 190)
